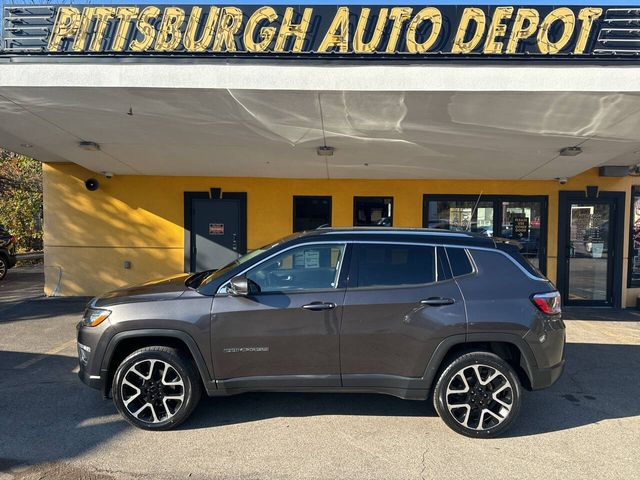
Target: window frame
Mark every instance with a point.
(472, 262)
(319, 197)
(342, 270)
(635, 193)
(497, 201)
(382, 197)
(355, 267)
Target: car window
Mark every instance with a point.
(393, 265)
(459, 261)
(308, 267)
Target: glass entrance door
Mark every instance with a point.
(589, 252)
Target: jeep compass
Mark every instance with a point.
(420, 314)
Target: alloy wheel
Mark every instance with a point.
(152, 391)
(3, 268)
(479, 397)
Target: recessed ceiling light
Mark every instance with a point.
(26, 145)
(570, 151)
(325, 151)
(89, 146)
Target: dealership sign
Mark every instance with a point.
(323, 30)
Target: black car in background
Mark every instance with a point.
(7, 251)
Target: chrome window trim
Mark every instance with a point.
(472, 262)
(393, 242)
(330, 242)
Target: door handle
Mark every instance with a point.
(315, 306)
(437, 301)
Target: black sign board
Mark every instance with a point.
(337, 31)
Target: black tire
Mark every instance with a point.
(500, 396)
(4, 267)
(160, 390)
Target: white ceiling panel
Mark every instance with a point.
(390, 134)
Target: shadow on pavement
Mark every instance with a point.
(603, 313)
(48, 414)
(599, 383)
(33, 309)
(53, 417)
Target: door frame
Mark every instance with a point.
(213, 194)
(616, 247)
(497, 214)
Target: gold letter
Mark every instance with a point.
(230, 22)
(399, 15)
(332, 37)
(102, 14)
(169, 34)
(125, 15)
(497, 29)
(359, 45)
(470, 14)
(147, 30)
(587, 15)
(288, 29)
(67, 23)
(568, 19)
(266, 33)
(201, 44)
(83, 31)
(435, 17)
(519, 31)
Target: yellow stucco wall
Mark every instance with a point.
(89, 235)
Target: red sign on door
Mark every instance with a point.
(216, 229)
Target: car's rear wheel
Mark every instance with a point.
(3, 267)
(156, 388)
(478, 395)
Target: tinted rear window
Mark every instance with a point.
(394, 265)
(459, 261)
(513, 252)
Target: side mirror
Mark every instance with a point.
(241, 286)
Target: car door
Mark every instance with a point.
(398, 306)
(287, 335)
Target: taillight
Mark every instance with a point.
(548, 303)
(12, 239)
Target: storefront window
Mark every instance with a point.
(310, 213)
(634, 247)
(463, 216)
(510, 216)
(521, 222)
(373, 211)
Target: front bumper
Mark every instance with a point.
(90, 355)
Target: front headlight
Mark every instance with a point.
(94, 316)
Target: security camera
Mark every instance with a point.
(108, 174)
(92, 184)
(562, 180)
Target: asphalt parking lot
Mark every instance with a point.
(53, 427)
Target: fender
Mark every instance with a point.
(206, 376)
(527, 359)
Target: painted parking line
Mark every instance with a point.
(42, 356)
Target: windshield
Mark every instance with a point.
(213, 274)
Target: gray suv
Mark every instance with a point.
(410, 313)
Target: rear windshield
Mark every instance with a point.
(513, 250)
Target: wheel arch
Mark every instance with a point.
(509, 347)
(124, 343)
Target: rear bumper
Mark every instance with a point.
(545, 377)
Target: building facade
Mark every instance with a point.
(176, 138)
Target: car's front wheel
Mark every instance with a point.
(478, 395)
(156, 388)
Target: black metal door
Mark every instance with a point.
(215, 233)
